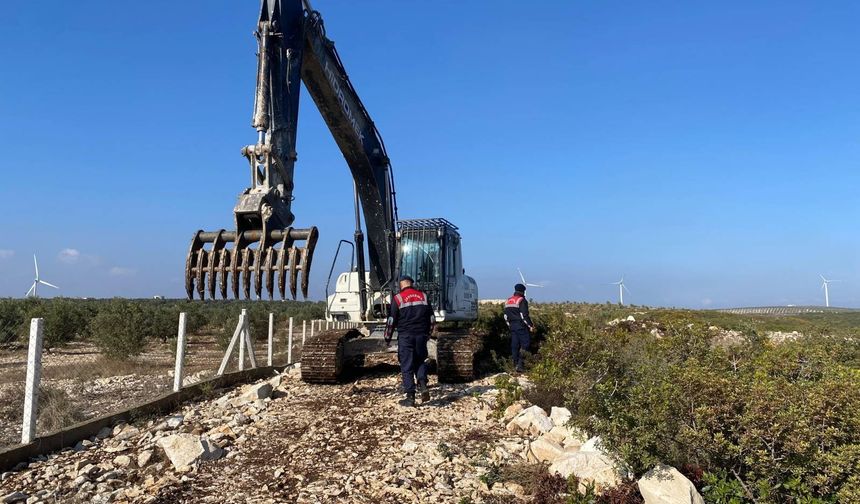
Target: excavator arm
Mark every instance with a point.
(360, 142)
(293, 47)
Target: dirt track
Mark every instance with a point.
(353, 443)
(308, 443)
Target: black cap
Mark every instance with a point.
(406, 278)
(519, 288)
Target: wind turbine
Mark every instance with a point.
(523, 278)
(37, 281)
(621, 289)
(825, 284)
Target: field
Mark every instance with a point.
(752, 408)
(102, 355)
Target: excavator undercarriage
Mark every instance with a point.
(330, 355)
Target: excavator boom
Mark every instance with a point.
(293, 47)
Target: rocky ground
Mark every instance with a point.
(281, 440)
(287, 441)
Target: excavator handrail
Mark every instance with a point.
(331, 271)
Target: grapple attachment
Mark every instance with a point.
(222, 258)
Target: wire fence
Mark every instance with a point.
(80, 380)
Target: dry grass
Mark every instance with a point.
(102, 367)
(56, 410)
(536, 481)
(480, 436)
(12, 402)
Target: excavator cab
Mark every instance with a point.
(429, 251)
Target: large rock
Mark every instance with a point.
(144, 457)
(532, 420)
(559, 416)
(589, 467)
(175, 421)
(275, 381)
(666, 485)
(544, 450)
(185, 449)
(594, 445)
(122, 461)
(512, 411)
(14, 497)
(250, 394)
(557, 434)
(258, 391)
(125, 432)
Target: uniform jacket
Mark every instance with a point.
(411, 313)
(517, 312)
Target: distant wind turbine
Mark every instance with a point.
(621, 289)
(825, 284)
(523, 278)
(37, 281)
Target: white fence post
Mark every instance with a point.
(242, 340)
(304, 331)
(290, 343)
(229, 351)
(34, 373)
(180, 354)
(326, 325)
(249, 344)
(271, 328)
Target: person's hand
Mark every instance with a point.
(532, 329)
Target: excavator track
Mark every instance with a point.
(323, 356)
(456, 356)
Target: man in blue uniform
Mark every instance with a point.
(412, 316)
(518, 320)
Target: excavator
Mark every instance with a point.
(265, 247)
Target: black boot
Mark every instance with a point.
(425, 394)
(409, 401)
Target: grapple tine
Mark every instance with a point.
(270, 274)
(243, 264)
(282, 273)
(307, 257)
(283, 257)
(196, 246)
(223, 268)
(210, 270)
(294, 272)
(234, 272)
(201, 272)
(214, 260)
(258, 271)
(246, 273)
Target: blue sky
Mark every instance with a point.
(707, 151)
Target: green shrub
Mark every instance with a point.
(510, 392)
(65, 321)
(120, 328)
(11, 321)
(782, 420)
